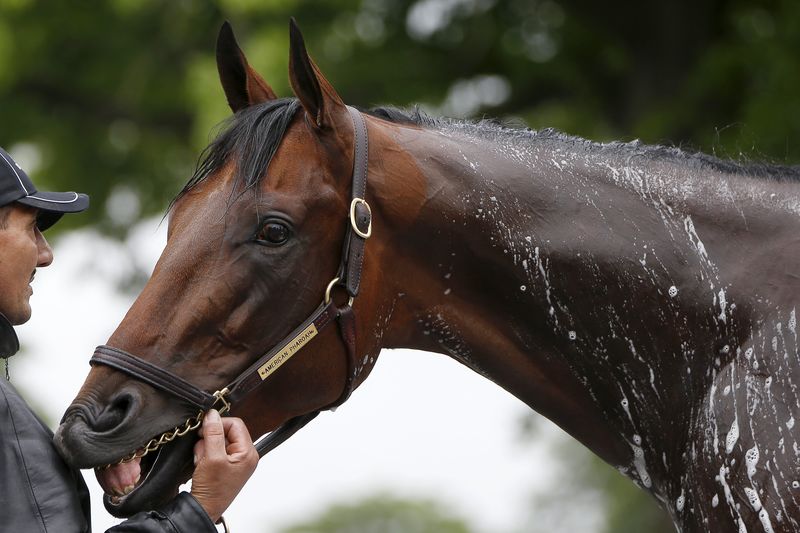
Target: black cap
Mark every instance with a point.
(16, 186)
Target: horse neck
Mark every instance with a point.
(595, 285)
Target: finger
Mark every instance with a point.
(236, 430)
(199, 450)
(238, 436)
(213, 435)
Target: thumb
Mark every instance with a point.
(213, 435)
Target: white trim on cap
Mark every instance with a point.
(15, 172)
(54, 201)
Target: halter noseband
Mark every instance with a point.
(358, 231)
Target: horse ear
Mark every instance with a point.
(316, 94)
(243, 86)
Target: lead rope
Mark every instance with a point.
(223, 523)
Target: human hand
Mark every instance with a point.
(225, 458)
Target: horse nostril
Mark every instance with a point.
(115, 412)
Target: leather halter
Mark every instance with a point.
(359, 228)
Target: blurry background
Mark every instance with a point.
(117, 98)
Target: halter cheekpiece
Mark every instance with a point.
(359, 228)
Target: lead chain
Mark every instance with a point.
(168, 436)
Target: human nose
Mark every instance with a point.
(45, 252)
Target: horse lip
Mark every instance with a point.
(160, 483)
(69, 433)
(81, 447)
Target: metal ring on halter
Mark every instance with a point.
(353, 204)
(328, 290)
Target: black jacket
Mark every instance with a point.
(39, 493)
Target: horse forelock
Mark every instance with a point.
(250, 138)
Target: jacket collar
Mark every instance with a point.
(9, 343)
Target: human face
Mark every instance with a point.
(23, 248)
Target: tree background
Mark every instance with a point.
(117, 98)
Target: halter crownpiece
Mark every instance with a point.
(359, 229)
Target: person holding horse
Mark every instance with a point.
(38, 491)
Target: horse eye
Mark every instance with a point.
(274, 233)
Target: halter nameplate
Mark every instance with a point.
(287, 351)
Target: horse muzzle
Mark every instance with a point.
(110, 440)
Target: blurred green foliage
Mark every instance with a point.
(117, 98)
(383, 514)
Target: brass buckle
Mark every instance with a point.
(353, 205)
(219, 396)
(328, 290)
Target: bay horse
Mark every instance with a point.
(641, 297)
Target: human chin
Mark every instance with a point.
(21, 314)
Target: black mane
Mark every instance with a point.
(252, 136)
(493, 129)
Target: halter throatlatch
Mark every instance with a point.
(359, 229)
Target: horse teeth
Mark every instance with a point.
(127, 490)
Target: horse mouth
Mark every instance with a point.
(147, 482)
(120, 479)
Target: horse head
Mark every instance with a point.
(254, 244)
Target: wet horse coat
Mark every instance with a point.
(649, 295)
(643, 298)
